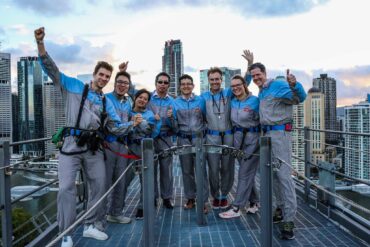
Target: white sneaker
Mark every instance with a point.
(92, 232)
(67, 241)
(231, 213)
(253, 209)
(119, 219)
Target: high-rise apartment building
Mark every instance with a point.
(31, 121)
(54, 114)
(227, 74)
(328, 87)
(5, 98)
(173, 64)
(357, 152)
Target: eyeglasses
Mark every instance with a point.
(123, 82)
(163, 82)
(236, 85)
(214, 79)
(186, 84)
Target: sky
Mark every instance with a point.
(309, 37)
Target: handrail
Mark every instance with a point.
(12, 144)
(335, 131)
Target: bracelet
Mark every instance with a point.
(39, 42)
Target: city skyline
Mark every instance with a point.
(310, 37)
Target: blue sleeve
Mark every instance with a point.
(248, 79)
(157, 125)
(299, 90)
(71, 84)
(203, 106)
(113, 115)
(228, 93)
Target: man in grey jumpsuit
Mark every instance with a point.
(276, 109)
(74, 155)
(189, 115)
(159, 104)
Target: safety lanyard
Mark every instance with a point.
(218, 106)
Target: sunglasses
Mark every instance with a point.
(163, 82)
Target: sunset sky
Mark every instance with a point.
(307, 36)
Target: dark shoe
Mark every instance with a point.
(278, 216)
(224, 203)
(216, 204)
(139, 214)
(205, 209)
(287, 230)
(189, 204)
(167, 203)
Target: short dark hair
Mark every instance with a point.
(123, 73)
(213, 70)
(185, 76)
(102, 64)
(239, 77)
(140, 92)
(162, 74)
(257, 66)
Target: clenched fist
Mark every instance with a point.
(40, 34)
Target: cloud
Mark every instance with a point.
(248, 8)
(2, 32)
(20, 29)
(189, 69)
(46, 7)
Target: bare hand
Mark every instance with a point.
(170, 112)
(123, 66)
(157, 117)
(291, 79)
(40, 34)
(248, 55)
(138, 118)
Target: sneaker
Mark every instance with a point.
(224, 203)
(139, 214)
(119, 219)
(278, 216)
(92, 232)
(167, 203)
(231, 213)
(189, 204)
(67, 241)
(253, 208)
(216, 204)
(287, 230)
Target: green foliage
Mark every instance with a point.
(19, 217)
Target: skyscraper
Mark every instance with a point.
(357, 158)
(53, 105)
(227, 74)
(31, 121)
(328, 87)
(315, 118)
(5, 98)
(173, 64)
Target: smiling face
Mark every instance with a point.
(186, 87)
(215, 81)
(101, 78)
(259, 77)
(122, 85)
(237, 86)
(141, 101)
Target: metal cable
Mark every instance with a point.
(332, 171)
(331, 145)
(353, 204)
(78, 221)
(21, 162)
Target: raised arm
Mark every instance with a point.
(248, 55)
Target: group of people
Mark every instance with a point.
(103, 133)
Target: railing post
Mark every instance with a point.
(326, 180)
(148, 190)
(199, 176)
(5, 199)
(307, 160)
(266, 191)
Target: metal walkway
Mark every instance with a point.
(178, 227)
